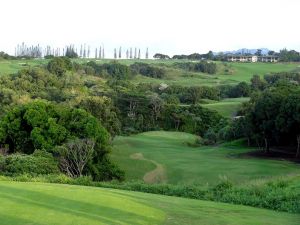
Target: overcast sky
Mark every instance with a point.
(167, 26)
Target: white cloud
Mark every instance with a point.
(163, 25)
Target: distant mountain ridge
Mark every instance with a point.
(264, 51)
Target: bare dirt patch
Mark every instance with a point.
(157, 175)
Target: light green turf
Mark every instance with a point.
(54, 204)
(245, 71)
(193, 165)
(227, 107)
(12, 66)
(238, 72)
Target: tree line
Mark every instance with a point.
(71, 51)
(284, 55)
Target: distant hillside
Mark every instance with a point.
(246, 51)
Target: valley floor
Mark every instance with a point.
(174, 159)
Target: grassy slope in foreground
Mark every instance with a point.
(45, 204)
(192, 165)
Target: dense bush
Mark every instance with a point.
(161, 56)
(193, 119)
(112, 70)
(242, 89)
(196, 56)
(270, 119)
(191, 95)
(6, 56)
(289, 56)
(42, 125)
(38, 163)
(103, 109)
(59, 65)
(202, 66)
(288, 76)
(147, 70)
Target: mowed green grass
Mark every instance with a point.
(239, 72)
(227, 107)
(245, 71)
(183, 164)
(12, 66)
(56, 204)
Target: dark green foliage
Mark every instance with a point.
(70, 52)
(161, 56)
(37, 83)
(40, 162)
(191, 95)
(42, 125)
(112, 70)
(202, 66)
(117, 71)
(6, 56)
(289, 56)
(241, 90)
(182, 56)
(59, 65)
(139, 112)
(271, 118)
(272, 79)
(147, 70)
(196, 56)
(103, 109)
(257, 83)
(105, 170)
(192, 119)
(135, 114)
(49, 56)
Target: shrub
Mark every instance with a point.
(113, 70)
(59, 65)
(202, 66)
(38, 163)
(147, 70)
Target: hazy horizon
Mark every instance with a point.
(170, 27)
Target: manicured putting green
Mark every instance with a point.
(54, 204)
(227, 107)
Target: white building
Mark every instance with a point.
(251, 58)
(242, 58)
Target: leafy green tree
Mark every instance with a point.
(288, 119)
(104, 110)
(241, 90)
(70, 52)
(257, 83)
(59, 65)
(258, 52)
(161, 56)
(264, 114)
(42, 125)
